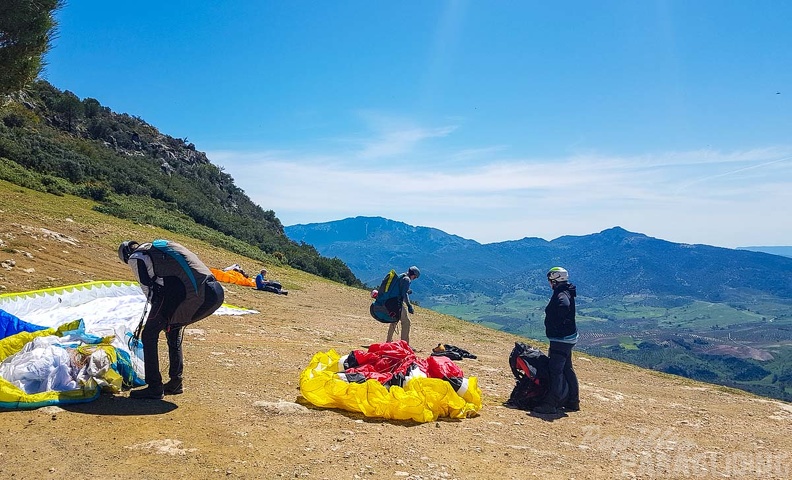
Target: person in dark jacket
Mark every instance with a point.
(181, 290)
(562, 332)
(405, 280)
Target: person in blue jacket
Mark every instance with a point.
(261, 279)
(269, 285)
(561, 330)
(405, 280)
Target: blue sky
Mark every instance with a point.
(492, 120)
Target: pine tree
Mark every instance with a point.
(26, 29)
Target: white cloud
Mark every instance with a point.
(718, 198)
(391, 136)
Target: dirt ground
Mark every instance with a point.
(242, 415)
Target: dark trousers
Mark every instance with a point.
(156, 322)
(563, 380)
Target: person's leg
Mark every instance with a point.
(150, 337)
(391, 331)
(405, 325)
(573, 400)
(556, 366)
(558, 353)
(174, 335)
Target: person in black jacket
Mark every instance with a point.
(562, 332)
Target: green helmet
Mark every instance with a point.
(558, 274)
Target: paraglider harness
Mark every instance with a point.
(387, 306)
(179, 262)
(532, 372)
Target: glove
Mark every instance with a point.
(410, 309)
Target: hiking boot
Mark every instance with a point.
(173, 387)
(572, 407)
(148, 393)
(545, 409)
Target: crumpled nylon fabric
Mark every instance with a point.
(421, 399)
(66, 344)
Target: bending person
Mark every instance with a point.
(181, 290)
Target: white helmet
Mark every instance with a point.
(558, 274)
(126, 249)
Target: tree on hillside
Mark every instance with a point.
(71, 107)
(26, 29)
(91, 107)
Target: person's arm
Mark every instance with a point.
(563, 307)
(405, 287)
(141, 272)
(144, 271)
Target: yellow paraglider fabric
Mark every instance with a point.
(12, 396)
(422, 399)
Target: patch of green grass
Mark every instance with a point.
(628, 343)
(156, 212)
(492, 325)
(12, 172)
(700, 315)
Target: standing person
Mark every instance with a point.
(181, 290)
(562, 332)
(405, 279)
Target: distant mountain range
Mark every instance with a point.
(783, 251)
(608, 264)
(714, 314)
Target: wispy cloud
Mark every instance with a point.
(698, 196)
(396, 142)
(388, 136)
(735, 171)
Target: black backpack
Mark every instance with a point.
(531, 370)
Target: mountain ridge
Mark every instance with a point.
(784, 251)
(628, 272)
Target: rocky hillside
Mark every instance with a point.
(242, 415)
(54, 142)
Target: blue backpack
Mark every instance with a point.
(386, 308)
